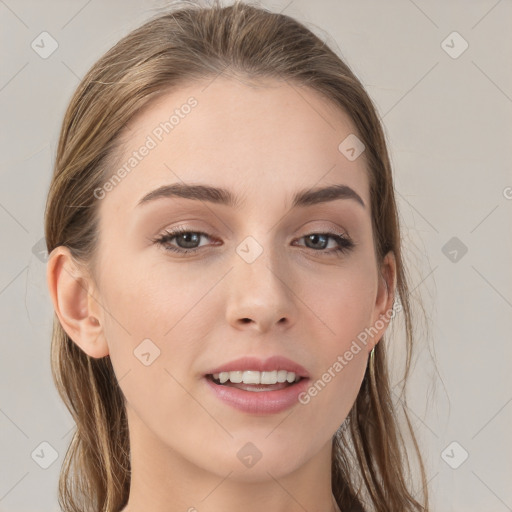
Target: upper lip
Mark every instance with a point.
(261, 365)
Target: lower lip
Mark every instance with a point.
(259, 402)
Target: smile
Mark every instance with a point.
(253, 397)
(256, 377)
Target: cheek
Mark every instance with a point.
(154, 324)
(151, 303)
(343, 305)
(333, 393)
(151, 342)
(343, 310)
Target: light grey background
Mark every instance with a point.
(449, 128)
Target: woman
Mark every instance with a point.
(224, 262)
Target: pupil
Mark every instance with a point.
(315, 239)
(189, 235)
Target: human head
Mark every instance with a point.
(165, 56)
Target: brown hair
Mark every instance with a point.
(370, 469)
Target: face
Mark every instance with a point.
(253, 277)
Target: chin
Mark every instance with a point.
(250, 464)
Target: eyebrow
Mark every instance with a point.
(302, 198)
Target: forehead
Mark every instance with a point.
(260, 140)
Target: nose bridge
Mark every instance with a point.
(259, 265)
(259, 286)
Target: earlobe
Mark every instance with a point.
(71, 293)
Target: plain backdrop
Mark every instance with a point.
(440, 75)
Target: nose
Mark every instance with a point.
(260, 295)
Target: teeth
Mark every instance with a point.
(281, 376)
(250, 377)
(255, 377)
(269, 377)
(235, 377)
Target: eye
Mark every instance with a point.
(319, 242)
(188, 241)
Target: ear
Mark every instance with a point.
(383, 310)
(79, 312)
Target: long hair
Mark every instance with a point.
(370, 468)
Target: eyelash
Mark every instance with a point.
(345, 244)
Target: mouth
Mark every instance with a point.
(255, 381)
(257, 393)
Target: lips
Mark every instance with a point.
(259, 398)
(266, 365)
(260, 402)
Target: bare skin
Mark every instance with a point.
(302, 300)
